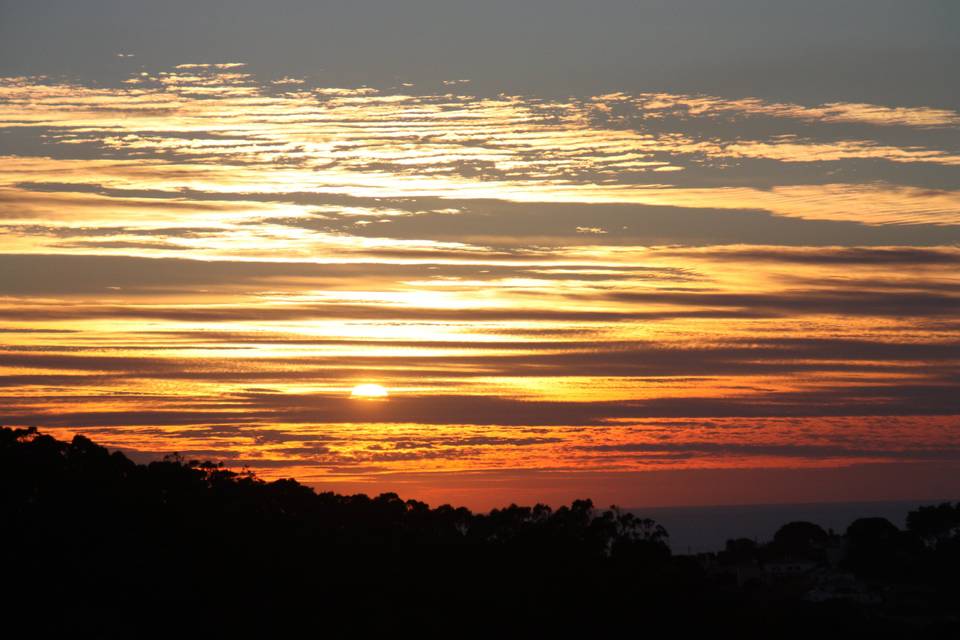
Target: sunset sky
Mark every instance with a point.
(651, 253)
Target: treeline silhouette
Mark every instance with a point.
(95, 545)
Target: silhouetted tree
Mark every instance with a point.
(98, 546)
(877, 549)
(740, 551)
(804, 539)
(935, 523)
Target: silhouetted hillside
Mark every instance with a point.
(95, 544)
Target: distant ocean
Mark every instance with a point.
(701, 529)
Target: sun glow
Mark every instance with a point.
(368, 391)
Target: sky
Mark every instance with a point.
(650, 253)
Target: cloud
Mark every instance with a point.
(663, 104)
(505, 224)
(879, 256)
(205, 260)
(811, 301)
(802, 451)
(372, 144)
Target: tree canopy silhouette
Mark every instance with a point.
(100, 546)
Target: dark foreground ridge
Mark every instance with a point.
(95, 545)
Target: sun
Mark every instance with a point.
(369, 391)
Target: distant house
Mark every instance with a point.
(835, 550)
(748, 573)
(788, 568)
(841, 586)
